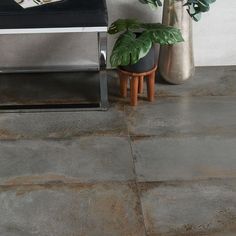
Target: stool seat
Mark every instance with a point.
(136, 84)
(66, 13)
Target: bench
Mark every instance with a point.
(66, 16)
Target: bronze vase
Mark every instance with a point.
(176, 62)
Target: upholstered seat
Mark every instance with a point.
(67, 13)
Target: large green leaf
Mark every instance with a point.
(129, 49)
(162, 34)
(123, 25)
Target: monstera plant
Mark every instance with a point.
(137, 38)
(131, 46)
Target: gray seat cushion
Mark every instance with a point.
(68, 13)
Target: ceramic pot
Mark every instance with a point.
(147, 63)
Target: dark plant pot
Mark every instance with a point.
(147, 63)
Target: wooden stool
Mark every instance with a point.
(136, 84)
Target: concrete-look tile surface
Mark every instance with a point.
(83, 210)
(166, 168)
(164, 159)
(190, 209)
(184, 117)
(208, 81)
(62, 124)
(81, 160)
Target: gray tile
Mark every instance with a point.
(84, 160)
(91, 210)
(184, 117)
(208, 81)
(164, 159)
(62, 124)
(190, 209)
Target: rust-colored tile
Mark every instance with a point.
(83, 210)
(190, 209)
(86, 159)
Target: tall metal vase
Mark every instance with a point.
(176, 62)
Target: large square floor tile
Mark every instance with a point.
(189, 209)
(87, 159)
(192, 158)
(79, 210)
(184, 116)
(62, 124)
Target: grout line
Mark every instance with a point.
(181, 182)
(135, 174)
(137, 186)
(60, 184)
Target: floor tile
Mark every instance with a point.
(190, 209)
(91, 210)
(62, 124)
(184, 117)
(86, 159)
(208, 81)
(164, 159)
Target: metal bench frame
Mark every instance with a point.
(101, 68)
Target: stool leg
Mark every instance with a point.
(151, 86)
(134, 91)
(123, 85)
(140, 84)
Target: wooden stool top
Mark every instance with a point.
(138, 74)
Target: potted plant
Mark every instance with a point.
(133, 50)
(134, 53)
